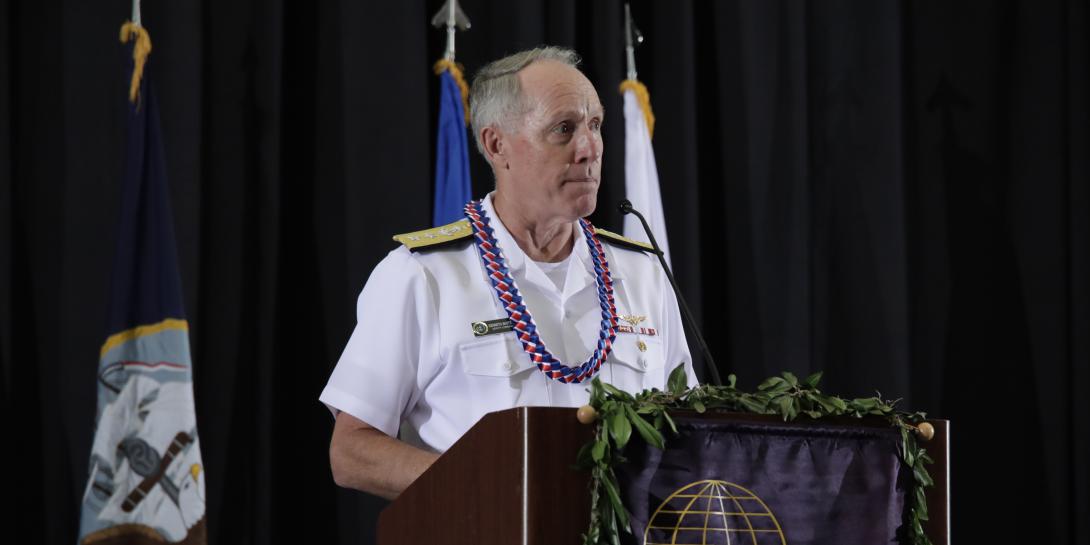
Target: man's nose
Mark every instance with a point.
(588, 146)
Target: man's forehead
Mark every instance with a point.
(558, 86)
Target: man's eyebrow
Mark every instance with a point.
(598, 112)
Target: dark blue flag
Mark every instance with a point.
(765, 484)
(146, 476)
(452, 187)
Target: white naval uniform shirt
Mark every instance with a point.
(414, 365)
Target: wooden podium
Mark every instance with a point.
(510, 480)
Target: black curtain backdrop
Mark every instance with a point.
(893, 192)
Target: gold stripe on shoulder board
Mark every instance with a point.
(436, 235)
(610, 236)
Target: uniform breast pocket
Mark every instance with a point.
(637, 363)
(498, 356)
(494, 373)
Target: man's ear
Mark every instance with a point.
(492, 140)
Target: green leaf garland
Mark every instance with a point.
(648, 413)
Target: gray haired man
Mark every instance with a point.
(522, 303)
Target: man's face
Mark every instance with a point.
(551, 163)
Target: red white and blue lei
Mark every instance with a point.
(504, 284)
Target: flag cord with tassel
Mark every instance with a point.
(456, 72)
(140, 51)
(644, 100)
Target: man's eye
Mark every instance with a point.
(596, 125)
(562, 128)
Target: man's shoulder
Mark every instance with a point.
(436, 237)
(614, 239)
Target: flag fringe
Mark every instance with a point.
(140, 52)
(644, 100)
(455, 70)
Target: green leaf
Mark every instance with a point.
(781, 387)
(619, 429)
(783, 405)
(769, 383)
(615, 499)
(611, 530)
(791, 379)
(598, 451)
(813, 380)
(753, 405)
(826, 403)
(596, 393)
(698, 406)
(731, 380)
(922, 476)
(678, 381)
(670, 421)
(617, 392)
(648, 432)
(921, 504)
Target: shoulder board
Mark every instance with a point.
(436, 236)
(624, 242)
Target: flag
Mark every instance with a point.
(765, 483)
(452, 187)
(146, 480)
(641, 177)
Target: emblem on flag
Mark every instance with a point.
(713, 511)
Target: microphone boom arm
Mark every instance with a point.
(626, 208)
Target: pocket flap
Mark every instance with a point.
(628, 351)
(497, 356)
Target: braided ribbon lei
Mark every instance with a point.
(500, 277)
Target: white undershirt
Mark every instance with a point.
(556, 272)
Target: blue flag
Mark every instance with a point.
(452, 187)
(146, 475)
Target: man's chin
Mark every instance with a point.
(586, 204)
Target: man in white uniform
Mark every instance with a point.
(521, 304)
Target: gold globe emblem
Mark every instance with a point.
(713, 512)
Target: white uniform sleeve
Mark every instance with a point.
(377, 377)
(677, 347)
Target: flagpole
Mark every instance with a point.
(632, 38)
(452, 181)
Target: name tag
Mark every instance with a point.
(489, 327)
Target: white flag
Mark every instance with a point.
(641, 175)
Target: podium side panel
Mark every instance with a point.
(938, 496)
(470, 496)
(557, 495)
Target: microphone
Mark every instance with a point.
(626, 208)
